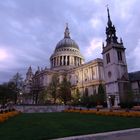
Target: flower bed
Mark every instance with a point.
(107, 113)
(7, 115)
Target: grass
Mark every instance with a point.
(43, 126)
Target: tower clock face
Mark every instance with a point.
(109, 74)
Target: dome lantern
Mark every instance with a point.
(67, 33)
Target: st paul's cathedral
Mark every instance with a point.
(111, 70)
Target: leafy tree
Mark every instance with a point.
(101, 97)
(7, 93)
(17, 80)
(65, 91)
(85, 100)
(53, 87)
(3, 94)
(42, 97)
(128, 99)
(76, 97)
(89, 101)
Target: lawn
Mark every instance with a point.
(43, 126)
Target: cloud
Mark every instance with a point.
(134, 58)
(3, 54)
(30, 30)
(94, 49)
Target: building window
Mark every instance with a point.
(107, 58)
(119, 55)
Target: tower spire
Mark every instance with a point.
(109, 23)
(110, 31)
(67, 33)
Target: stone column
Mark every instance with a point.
(75, 61)
(62, 60)
(90, 73)
(54, 61)
(97, 74)
(69, 60)
(66, 59)
(108, 103)
(58, 60)
(78, 61)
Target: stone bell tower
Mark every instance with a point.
(115, 66)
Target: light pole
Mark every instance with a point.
(110, 104)
(21, 100)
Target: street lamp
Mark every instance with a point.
(110, 104)
(21, 97)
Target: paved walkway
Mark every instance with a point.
(130, 134)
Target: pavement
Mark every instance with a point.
(129, 134)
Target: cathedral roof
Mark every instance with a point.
(67, 41)
(134, 76)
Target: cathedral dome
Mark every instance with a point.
(67, 42)
(66, 54)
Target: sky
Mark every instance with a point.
(30, 30)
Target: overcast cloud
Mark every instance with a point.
(30, 30)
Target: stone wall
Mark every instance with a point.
(40, 109)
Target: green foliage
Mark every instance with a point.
(43, 96)
(53, 87)
(76, 97)
(89, 101)
(50, 94)
(7, 93)
(101, 96)
(128, 100)
(129, 97)
(17, 80)
(65, 91)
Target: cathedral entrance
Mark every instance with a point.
(111, 100)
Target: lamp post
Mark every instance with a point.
(21, 100)
(110, 104)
